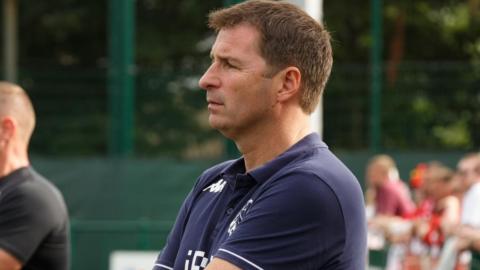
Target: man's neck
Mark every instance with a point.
(264, 145)
(10, 163)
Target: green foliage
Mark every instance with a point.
(431, 103)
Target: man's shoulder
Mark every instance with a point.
(39, 187)
(472, 196)
(324, 165)
(35, 189)
(476, 188)
(323, 169)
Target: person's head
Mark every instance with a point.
(468, 169)
(17, 119)
(288, 52)
(439, 181)
(380, 169)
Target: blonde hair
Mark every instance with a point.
(387, 163)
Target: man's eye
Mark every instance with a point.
(228, 64)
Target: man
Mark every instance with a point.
(33, 216)
(469, 172)
(468, 233)
(391, 195)
(465, 236)
(288, 203)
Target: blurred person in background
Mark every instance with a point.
(469, 172)
(390, 201)
(288, 202)
(469, 240)
(391, 196)
(440, 186)
(466, 236)
(34, 224)
(417, 250)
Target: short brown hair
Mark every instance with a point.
(289, 37)
(14, 102)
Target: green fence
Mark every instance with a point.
(94, 241)
(132, 203)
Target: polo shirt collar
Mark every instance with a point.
(306, 144)
(235, 174)
(13, 177)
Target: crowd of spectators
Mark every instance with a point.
(429, 221)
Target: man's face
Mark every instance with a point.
(240, 97)
(466, 172)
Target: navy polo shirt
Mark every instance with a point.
(302, 210)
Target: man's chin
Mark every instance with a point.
(222, 128)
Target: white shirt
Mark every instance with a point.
(471, 206)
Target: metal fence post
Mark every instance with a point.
(121, 77)
(10, 39)
(376, 76)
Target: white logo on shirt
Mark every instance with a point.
(217, 186)
(199, 261)
(240, 216)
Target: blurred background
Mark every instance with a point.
(122, 126)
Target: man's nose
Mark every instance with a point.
(210, 79)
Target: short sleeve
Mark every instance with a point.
(296, 223)
(166, 259)
(394, 199)
(23, 223)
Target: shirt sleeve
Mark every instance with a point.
(24, 223)
(297, 223)
(394, 199)
(406, 205)
(166, 258)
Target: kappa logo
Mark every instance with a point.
(217, 186)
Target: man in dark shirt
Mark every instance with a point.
(288, 202)
(33, 216)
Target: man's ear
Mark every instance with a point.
(291, 78)
(7, 126)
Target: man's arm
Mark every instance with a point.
(218, 264)
(8, 262)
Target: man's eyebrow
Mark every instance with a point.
(226, 58)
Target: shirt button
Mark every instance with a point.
(229, 211)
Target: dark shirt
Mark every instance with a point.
(302, 210)
(33, 221)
